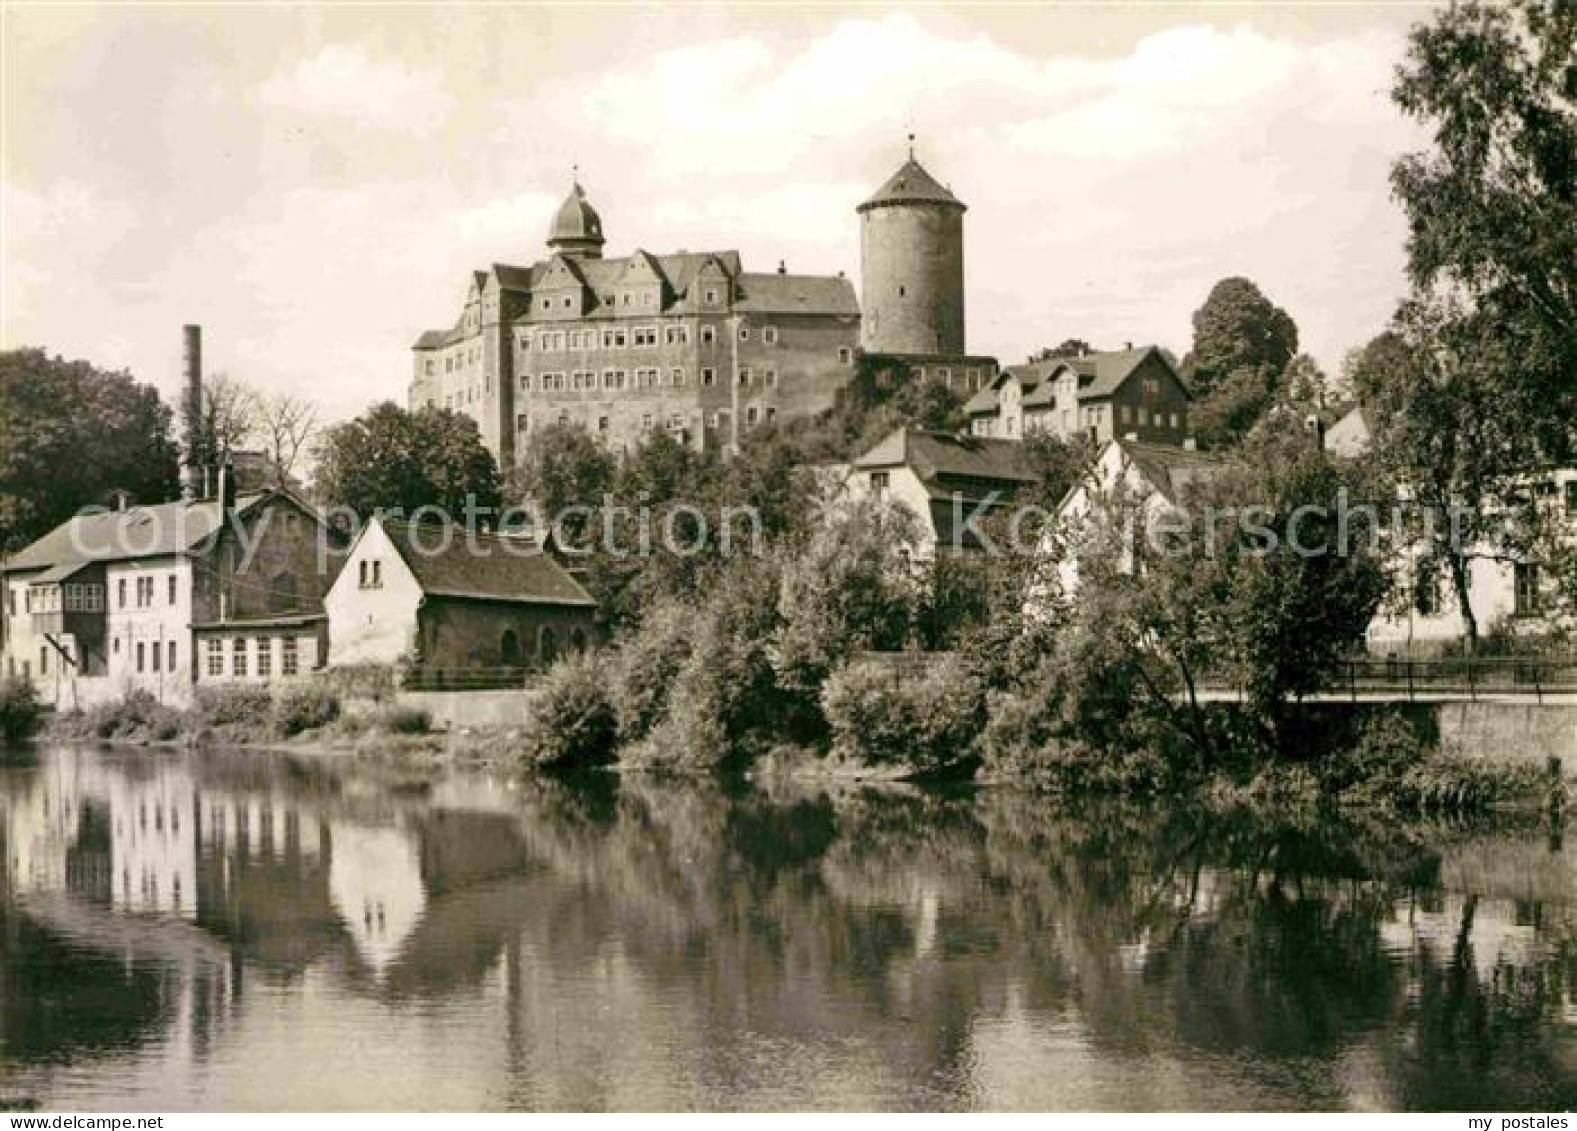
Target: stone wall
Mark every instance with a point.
(1512, 733)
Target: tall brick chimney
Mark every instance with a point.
(193, 450)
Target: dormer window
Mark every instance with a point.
(711, 295)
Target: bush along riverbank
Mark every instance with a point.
(775, 661)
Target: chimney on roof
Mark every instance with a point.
(192, 458)
(1127, 345)
(782, 267)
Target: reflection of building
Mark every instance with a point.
(375, 881)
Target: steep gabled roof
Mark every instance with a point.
(1171, 471)
(482, 566)
(158, 531)
(946, 463)
(1102, 374)
(772, 293)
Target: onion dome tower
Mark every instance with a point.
(577, 229)
(912, 265)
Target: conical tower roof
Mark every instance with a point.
(911, 184)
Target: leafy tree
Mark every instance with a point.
(853, 585)
(390, 458)
(1243, 344)
(70, 435)
(1471, 392)
(1492, 203)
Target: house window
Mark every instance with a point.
(711, 295)
(238, 657)
(708, 376)
(1426, 589)
(676, 377)
(1125, 413)
(602, 425)
(265, 657)
(771, 379)
(172, 588)
(751, 415)
(879, 480)
(744, 333)
(772, 414)
(522, 423)
(845, 354)
(708, 335)
(744, 375)
(216, 658)
(156, 651)
(1571, 497)
(769, 335)
(525, 382)
(646, 422)
(120, 593)
(170, 655)
(288, 657)
(1525, 577)
(377, 573)
(141, 657)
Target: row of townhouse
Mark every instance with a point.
(169, 597)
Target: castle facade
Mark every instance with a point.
(692, 342)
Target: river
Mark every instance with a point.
(238, 931)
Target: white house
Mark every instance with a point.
(115, 599)
(944, 480)
(1504, 595)
(1124, 493)
(437, 596)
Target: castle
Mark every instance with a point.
(692, 342)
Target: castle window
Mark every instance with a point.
(744, 375)
(919, 373)
(771, 379)
(547, 304)
(708, 378)
(172, 588)
(676, 377)
(744, 333)
(769, 335)
(522, 423)
(944, 373)
(711, 295)
(645, 337)
(772, 414)
(602, 425)
(567, 302)
(902, 292)
(427, 367)
(676, 335)
(646, 422)
(525, 382)
(751, 415)
(708, 335)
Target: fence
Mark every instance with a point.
(1459, 675)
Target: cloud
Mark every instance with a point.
(344, 81)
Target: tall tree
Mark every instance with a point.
(286, 424)
(1243, 344)
(1492, 203)
(1475, 390)
(390, 458)
(70, 435)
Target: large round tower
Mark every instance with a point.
(577, 229)
(912, 266)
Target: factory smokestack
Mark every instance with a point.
(194, 457)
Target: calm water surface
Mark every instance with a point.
(237, 931)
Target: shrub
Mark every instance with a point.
(236, 705)
(928, 724)
(643, 671)
(21, 714)
(136, 715)
(304, 706)
(398, 719)
(574, 724)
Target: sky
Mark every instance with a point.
(313, 184)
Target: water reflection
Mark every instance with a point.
(236, 931)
